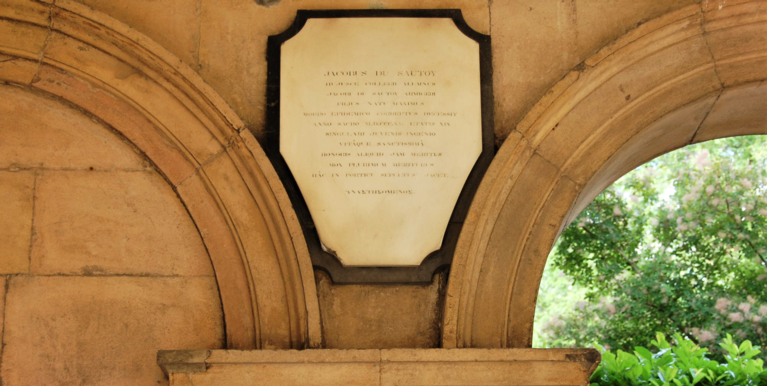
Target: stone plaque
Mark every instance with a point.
(380, 125)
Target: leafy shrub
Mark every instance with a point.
(684, 364)
(678, 245)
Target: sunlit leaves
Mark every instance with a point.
(681, 363)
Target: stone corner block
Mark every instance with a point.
(182, 361)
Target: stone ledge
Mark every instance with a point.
(431, 367)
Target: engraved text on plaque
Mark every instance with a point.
(380, 125)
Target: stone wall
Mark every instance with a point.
(535, 43)
(101, 263)
(141, 214)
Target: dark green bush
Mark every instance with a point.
(683, 364)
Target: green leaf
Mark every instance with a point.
(643, 353)
(745, 346)
(664, 360)
(635, 371)
(699, 375)
(671, 373)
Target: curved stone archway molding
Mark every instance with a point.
(195, 141)
(689, 76)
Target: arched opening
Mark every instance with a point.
(679, 243)
(690, 76)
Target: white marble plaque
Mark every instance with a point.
(380, 124)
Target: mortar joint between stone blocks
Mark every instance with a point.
(44, 48)
(705, 117)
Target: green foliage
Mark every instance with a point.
(677, 246)
(684, 364)
(561, 295)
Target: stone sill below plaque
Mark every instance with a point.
(380, 367)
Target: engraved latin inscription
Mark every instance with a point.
(380, 126)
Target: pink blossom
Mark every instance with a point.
(750, 299)
(709, 189)
(760, 278)
(763, 310)
(611, 310)
(745, 307)
(554, 323)
(756, 318)
(721, 235)
(706, 336)
(654, 222)
(763, 212)
(702, 159)
(735, 317)
(722, 304)
(692, 196)
(746, 183)
(617, 211)
(715, 202)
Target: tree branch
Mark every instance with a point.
(740, 227)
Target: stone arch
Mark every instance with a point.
(195, 141)
(691, 75)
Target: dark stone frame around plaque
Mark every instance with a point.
(436, 260)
